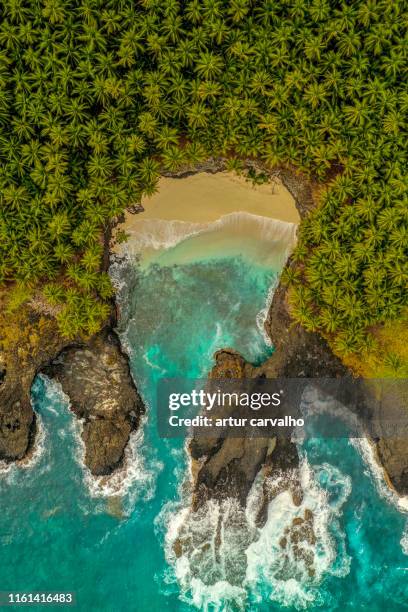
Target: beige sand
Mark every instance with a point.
(204, 197)
(223, 212)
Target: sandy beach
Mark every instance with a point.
(229, 214)
(204, 197)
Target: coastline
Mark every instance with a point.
(205, 197)
(228, 212)
(20, 439)
(301, 191)
(297, 353)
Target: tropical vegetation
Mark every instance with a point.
(97, 97)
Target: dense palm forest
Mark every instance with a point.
(97, 96)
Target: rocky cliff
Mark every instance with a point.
(227, 467)
(27, 343)
(97, 379)
(94, 374)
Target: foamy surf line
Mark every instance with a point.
(160, 234)
(366, 450)
(315, 403)
(230, 561)
(131, 480)
(131, 477)
(262, 315)
(35, 455)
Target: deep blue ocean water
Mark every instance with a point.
(62, 531)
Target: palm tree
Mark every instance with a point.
(63, 252)
(329, 320)
(173, 158)
(148, 170)
(197, 115)
(209, 65)
(194, 11)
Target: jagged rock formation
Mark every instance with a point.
(227, 467)
(95, 376)
(97, 379)
(32, 341)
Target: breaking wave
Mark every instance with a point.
(134, 480)
(8, 470)
(220, 557)
(267, 240)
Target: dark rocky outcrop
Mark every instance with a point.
(33, 342)
(393, 456)
(391, 439)
(17, 421)
(298, 353)
(228, 467)
(97, 379)
(95, 375)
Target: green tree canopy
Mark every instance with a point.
(97, 95)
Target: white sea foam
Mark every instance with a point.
(152, 365)
(315, 403)
(404, 542)
(282, 575)
(367, 451)
(219, 556)
(9, 470)
(262, 315)
(156, 235)
(132, 480)
(159, 234)
(39, 446)
(216, 537)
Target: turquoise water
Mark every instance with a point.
(60, 531)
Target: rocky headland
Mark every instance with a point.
(223, 468)
(34, 341)
(97, 380)
(95, 375)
